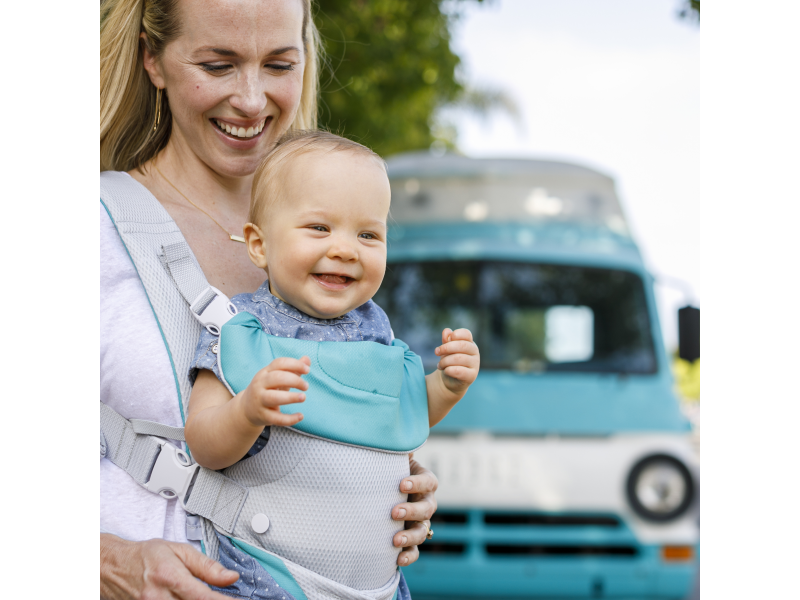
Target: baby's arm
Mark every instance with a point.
(221, 428)
(456, 371)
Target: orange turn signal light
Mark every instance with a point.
(675, 553)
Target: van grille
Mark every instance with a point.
(538, 550)
(442, 548)
(549, 520)
(535, 534)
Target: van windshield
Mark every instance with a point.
(525, 317)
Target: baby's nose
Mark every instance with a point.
(343, 251)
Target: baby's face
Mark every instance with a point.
(325, 237)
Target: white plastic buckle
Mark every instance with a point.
(217, 313)
(172, 474)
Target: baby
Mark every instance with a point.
(318, 229)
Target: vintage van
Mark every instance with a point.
(568, 469)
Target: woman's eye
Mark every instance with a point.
(214, 68)
(280, 66)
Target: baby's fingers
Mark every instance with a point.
(293, 365)
(461, 373)
(284, 380)
(457, 347)
(283, 420)
(274, 398)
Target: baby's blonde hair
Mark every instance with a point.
(266, 188)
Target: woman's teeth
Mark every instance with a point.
(241, 132)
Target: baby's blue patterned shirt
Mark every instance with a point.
(367, 323)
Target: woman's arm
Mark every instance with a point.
(420, 486)
(156, 570)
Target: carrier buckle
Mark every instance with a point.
(213, 309)
(172, 473)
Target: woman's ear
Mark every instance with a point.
(151, 63)
(256, 245)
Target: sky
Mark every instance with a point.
(612, 85)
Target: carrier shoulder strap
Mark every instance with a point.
(182, 301)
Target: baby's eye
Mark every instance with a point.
(319, 227)
(368, 236)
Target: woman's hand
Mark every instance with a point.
(420, 486)
(156, 570)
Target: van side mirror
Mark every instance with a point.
(689, 333)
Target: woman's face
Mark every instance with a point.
(233, 78)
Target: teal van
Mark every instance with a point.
(568, 469)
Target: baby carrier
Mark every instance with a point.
(366, 409)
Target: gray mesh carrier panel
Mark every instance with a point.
(344, 534)
(146, 226)
(317, 588)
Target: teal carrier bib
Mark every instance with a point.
(313, 507)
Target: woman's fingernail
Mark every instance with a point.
(407, 485)
(401, 513)
(405, 540)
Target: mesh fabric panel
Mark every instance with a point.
(145, 226)
(320, 588)
(329, 512)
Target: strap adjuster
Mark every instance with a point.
(213, 309)
(172, 473)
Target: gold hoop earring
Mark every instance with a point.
(158, 109)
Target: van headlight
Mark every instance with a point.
(660, 488)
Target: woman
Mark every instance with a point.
(193, 94)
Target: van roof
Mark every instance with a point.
(451, 188)
(425, 164)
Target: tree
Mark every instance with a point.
(389, 69)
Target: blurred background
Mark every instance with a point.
(545, 178)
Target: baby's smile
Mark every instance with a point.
(332, 281)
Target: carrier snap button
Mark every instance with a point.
(260, 523)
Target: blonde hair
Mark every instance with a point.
(294, 143)
(127, 96)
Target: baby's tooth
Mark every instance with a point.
(250, 132)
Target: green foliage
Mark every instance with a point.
(390, 67)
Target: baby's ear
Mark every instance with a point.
(256, 245)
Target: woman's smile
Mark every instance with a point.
(241, 137)
(241, 131)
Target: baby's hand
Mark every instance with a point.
(460, 360)
(269, 390)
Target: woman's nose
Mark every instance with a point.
(250, 96)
